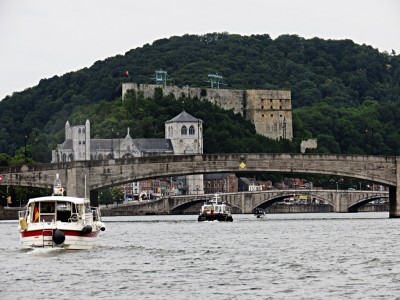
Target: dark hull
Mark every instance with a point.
(215, 217)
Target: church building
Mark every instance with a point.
(183, 135)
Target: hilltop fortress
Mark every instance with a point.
(269, 110)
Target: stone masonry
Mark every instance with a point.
(269, 110)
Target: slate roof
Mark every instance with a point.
(153, 144)
(103, 144)
(147, 145)
(184, 117)
(66, 145)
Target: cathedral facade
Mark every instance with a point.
(183, 135)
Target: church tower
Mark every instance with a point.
(79, 137)
(186, 135)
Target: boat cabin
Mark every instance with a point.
(63, 209)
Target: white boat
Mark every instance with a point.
(215, 210)
(59, 221)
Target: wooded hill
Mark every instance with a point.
(344, 94)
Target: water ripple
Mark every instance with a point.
(302, 256)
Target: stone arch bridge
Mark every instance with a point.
(246, 202)
(82, 178)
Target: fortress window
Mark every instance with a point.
(262, 106)
(83, 142)
(79, 142)
(271, 107)
(191, 130)
(280, 107)
(183, 130)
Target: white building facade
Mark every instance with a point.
(183, 135)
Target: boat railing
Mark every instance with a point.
(96, 213)
(22, 214)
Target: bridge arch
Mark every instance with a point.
(82, 176)
(355, 206)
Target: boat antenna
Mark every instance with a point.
(85, 188)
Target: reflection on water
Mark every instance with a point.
(283, 256)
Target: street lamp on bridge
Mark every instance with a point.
(340, 180)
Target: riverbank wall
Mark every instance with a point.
(9, 213)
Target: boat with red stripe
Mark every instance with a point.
(59, 221)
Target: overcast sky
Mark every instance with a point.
(43, 38)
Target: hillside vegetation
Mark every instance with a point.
(344, 94)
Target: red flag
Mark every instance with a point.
(127, 73)
(35, 215)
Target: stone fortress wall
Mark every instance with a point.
(269, 110)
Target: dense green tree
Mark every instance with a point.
(334, 84)
(106, 197)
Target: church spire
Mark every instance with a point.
(128, 134)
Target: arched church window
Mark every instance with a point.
(191, 130)
(83, 142)
(80, 142)
(79, 130)
(83, 130)
(183, 130)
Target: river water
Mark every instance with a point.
(283, 256)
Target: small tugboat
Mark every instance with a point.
(59, 221)
(259, 212)
(215, 210)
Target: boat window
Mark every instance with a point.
(47, 211)
(63, 205)
(47, 207)
(63, 211)
(34, 211)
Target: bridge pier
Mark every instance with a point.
(340, 203)
(394, 195)
(394, 201)
(78, 178)
(166, 205)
